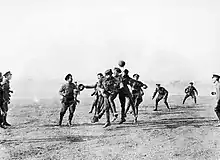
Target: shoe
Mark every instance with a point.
(2, 126)
(115, 117)
(107, 125)
(7, 124)
(135, 120)
(60, 123)
(94, 119)
(69, 124)
(122, 121)
(217, 125)
(155, 110)
(90, 112)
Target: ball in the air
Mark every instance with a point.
(121, 63)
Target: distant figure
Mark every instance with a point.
(217, 93)
(1, 103)
(6, 95)
(68, 93)
(190, 91)
(162, 94)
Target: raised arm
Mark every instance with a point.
(90, 86)
(155, 93)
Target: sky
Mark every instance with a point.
(161, 39)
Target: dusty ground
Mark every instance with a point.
(187, 132)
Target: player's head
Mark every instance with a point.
(69, 78)
(191, 83)
(158, 85)
(116, 71)
(125, 72)
(99, 75)
(108, 73)
(8, 75)
(215, 78)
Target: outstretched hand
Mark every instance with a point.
(213, 93)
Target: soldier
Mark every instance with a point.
(1, 103)
(125, 96)
(107, 88)
(98, 101)
(190, 92)
(162, 94)
(68, 93)
(6, 95)
(216, 83)
(118, 78)
(95, 93)
(137, 92)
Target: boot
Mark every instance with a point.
(2, 126)
(94, 119)
(107, 124)
(69, 123)
(115, 117)
(122, 121)
(61, 119)
(5, 122)
(135, 120)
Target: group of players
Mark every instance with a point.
(114, 83)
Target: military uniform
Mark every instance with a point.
(68, 101)
(190, 92)
(162, 94)
(125, 97)
(6, 96)
(108, 87)
(114, 94)
(217, 93)
(1, 107)
(98, 101)
(137, 94)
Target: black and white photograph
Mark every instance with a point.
(109, 80)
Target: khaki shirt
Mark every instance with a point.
(7, 90)
(68, 90)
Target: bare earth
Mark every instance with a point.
(187, 132)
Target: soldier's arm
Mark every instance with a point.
(61, 91)
(144, 86)
(155, 93)
(90, 86)
(196, 90)
(185, 90)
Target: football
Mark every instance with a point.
(121, 63)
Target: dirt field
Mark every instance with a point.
(187, 132)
